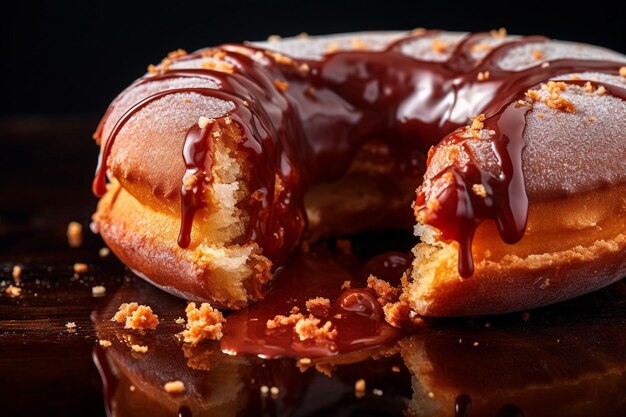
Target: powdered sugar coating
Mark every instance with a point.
(531, 54)
(568, 153)
(314, 47)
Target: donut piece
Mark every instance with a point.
(574, 240)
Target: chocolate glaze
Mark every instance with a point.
(361, 324)
(311, 132)
(462, 405)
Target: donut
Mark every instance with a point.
(222, 161)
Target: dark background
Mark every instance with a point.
(62, 62)
(73, 57)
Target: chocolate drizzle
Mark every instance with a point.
(310, 131)
(197, 154)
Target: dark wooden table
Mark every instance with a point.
(568, 359)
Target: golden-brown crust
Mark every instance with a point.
(572, 246)
(145, 240)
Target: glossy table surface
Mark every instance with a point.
(567, 359)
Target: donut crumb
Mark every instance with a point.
(439, 46)
(98, 291)
(279, 320)
(498, 34)
(385, 292)
(282, 86)
(139, 348)
(16, 273)
(136, 317)
(309, 328)
(483, 76)
(318, 306)
(13, 291)
(174, 387)
(360, 387)
(479, 190)
(203, 323)
(75, 234)
(104, 343)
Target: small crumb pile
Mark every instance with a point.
(203, 323)
(318, 306)
(136, 317)
(306, 328)
(309, 328)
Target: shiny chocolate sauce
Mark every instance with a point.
(197, 154)
(184, 411)
(355, 314)
(304, 120)
(462, 406)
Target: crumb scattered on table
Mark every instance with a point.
(98, 291)
(136, 317)
(104, 343)
(318, 306)
(203, 323)
(13, 291)
(174, 387)
(139, 348)
(16, 273)
(75, 234)
(360, 387)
